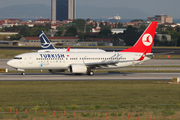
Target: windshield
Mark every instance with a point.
(19, 58)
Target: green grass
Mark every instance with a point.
(166, 57)
(157, 98)
(9, 54)
(73, 95)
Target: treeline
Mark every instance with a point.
(26, 31)
(79, 29)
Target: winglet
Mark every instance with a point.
(45, 43)
(68, 50)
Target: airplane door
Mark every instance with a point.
(30, 59)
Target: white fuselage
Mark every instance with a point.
(71, 50)
(62, 60)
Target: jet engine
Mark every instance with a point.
(77, 68)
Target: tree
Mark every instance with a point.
(120, 25)
(178, 29)
(156, 40)
(164, 38)
(178, 42)
(79, 24)
(34, 32)
(105, 31)
(24, 31)
(142, 27)
(72, 31)
(81, 36)
(48, 25)
(59, 33)
(115, 40)
(131, 35)
(95, 24)
(2, 30)
(137, 20)
(88, 28)
(15, 37)
(106, 23)
(101, 24)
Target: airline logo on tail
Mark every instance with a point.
(147, 39)
(45, 43)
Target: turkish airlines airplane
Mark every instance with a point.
(48, 47)
(82, 62)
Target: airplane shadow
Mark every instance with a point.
(67, 74)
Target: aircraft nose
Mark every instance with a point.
(10, 63)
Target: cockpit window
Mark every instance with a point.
(19, 58)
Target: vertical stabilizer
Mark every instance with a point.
(146, 40)
(45, 43)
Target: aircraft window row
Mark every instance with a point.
(77, 58)
(19, 58)
(49, 58)
(98, 58)
(73, 58)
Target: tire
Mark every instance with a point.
(23, 73)
(91, 73)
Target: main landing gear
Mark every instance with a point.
(90, 72)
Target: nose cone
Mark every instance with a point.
(11, 63)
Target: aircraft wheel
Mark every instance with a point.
(91, 73)
(23, 73)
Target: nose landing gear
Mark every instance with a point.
(23, 73)
(91, 73)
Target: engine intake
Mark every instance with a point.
(77, 68)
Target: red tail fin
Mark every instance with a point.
(146, 40)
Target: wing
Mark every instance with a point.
(99, 64)
(106, 63)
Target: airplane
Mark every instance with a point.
(82, 62)
(48, 47)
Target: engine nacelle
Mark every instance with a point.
(77, 68)
(55, 71)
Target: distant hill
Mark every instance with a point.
(100, 12)
(41, 10)
(26, 11)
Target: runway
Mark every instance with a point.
(84, 77)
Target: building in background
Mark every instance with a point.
(63, 10)
(161, 18)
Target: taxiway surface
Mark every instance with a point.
(84, 77)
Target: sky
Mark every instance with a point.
(170, 7)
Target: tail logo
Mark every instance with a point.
(147, 39)
(45, 44)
